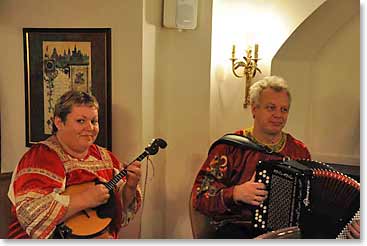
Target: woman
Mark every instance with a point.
(69, 158)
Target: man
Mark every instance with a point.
(227, 196)
(67, 159)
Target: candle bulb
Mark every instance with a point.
(233, 51)
(248, 51)
(256, 50)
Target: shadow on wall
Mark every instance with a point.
(181, 223)
(123, 140)
(5, 204)
(311, 62)
(124, 147)
(154, 12)
(154, 208)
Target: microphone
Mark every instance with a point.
(161, 143)
(153, 147)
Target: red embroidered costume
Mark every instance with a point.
(227, 166)
(40, 178)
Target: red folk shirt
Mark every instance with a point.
(227, 166)
(42, 175)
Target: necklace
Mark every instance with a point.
(276, 147)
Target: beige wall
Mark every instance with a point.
(180, 82)
(244, 23)
(324, 73)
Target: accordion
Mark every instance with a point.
(307, 194)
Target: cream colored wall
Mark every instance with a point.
(125, 19)
(181, 97)
(325, 76)
(244, 23)
(153, 210)
(335, 135)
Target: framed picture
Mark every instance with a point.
(60, 59)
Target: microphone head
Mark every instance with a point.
(161, 143)
(154, 146)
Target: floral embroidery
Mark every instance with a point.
(215, 171)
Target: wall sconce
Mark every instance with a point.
(249, 66)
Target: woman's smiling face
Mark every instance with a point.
(80, 129)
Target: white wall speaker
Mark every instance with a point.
(180, 14)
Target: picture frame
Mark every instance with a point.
(57, 60)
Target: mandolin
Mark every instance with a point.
(92, 222)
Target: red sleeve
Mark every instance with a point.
(36, 191)
(39, 168)
(211, 193)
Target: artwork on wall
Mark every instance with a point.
(60, 59)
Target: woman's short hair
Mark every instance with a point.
(274, 82)
(70, 98)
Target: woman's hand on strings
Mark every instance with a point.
(133, 174)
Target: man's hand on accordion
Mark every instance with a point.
(250, 192)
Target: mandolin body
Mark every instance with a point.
(87, 222)
(94, 222)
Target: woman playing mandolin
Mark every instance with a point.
(58, 188)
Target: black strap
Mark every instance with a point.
(243, 142)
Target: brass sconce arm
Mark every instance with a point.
(249, 66)
(236, 65)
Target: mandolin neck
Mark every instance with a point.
(111, 184)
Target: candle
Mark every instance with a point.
(248, 51)
(233, 51)
(256, 50)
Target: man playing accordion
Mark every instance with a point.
(224, 189)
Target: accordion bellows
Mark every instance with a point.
(308, 194)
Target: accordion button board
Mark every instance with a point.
(307, 194)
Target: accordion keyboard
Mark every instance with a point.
(308, 194)
(280, 209)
